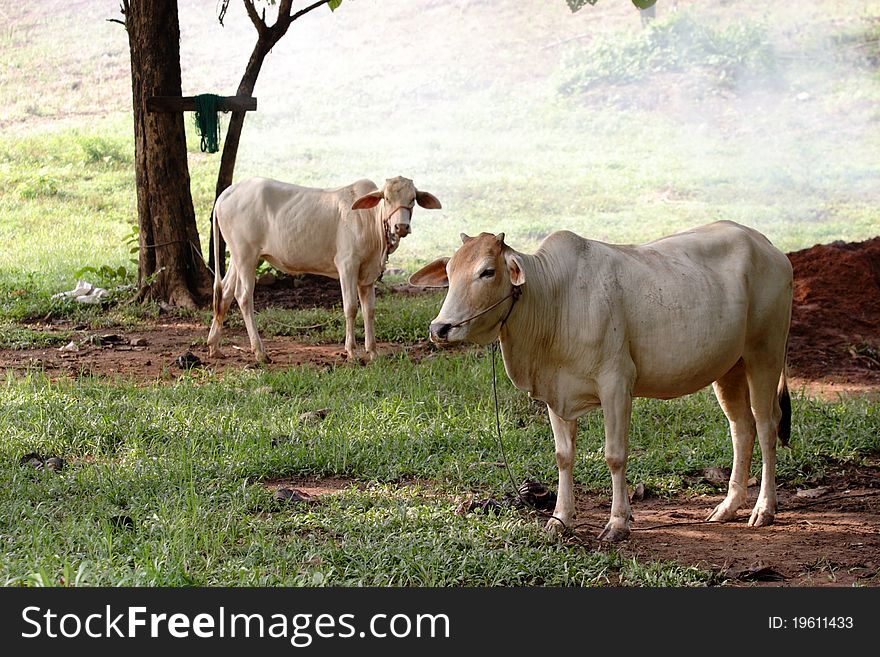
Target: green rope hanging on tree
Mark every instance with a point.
(207, 122)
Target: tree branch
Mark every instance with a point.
(123, 9)
(306, 10)
(279, 29)
(258, 22)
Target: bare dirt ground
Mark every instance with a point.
(830, 540)
(834, 350)
(119, 354)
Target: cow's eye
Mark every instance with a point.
(487, 273)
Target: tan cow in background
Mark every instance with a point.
(584, 324)
(345, 233)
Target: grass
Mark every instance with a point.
(159, 493)
(676, 43)
(18, 337)
(523, 126)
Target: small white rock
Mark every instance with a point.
(69, 347)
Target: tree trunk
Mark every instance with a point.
(170, 267)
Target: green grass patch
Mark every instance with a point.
(16, 337)
(158, 492)
(398, 319)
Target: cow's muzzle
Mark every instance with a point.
(402, 230)
(439, 332)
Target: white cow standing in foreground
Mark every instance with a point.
(584, 324)
(346, 233)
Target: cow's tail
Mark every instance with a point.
(218, 283)
(783, 430)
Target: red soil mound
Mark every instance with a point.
(835, 324)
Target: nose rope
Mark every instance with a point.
(399, 207)
(514, 294)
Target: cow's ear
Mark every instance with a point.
(515, 267)
(465, 238)
(428, 201)
(432, 275)
(367, 201)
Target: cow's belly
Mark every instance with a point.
(683, 338)
(301, 251)
(677, 384)
(303, 265)
(682, 368)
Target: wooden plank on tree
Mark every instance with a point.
(188, 104)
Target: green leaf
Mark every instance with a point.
(644, 4)
(334, 4)
(574, 5)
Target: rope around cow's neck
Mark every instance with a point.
(498, 425)
(390, 244)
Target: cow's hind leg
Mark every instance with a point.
(244, 294)
(732, 391)
(221, 307)
(763, 382)
(565, 436)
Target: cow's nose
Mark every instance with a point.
(439, 331)
(402, 229)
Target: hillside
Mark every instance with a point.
(485, 105)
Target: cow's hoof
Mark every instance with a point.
(357, 359)
(215, 353)
(555, 527)
(761, 518)
(722, 513)
(614, 534)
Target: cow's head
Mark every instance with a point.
(483, 277)
(400, 196)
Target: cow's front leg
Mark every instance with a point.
(367, 296)
(565, 436)
(617, 409)
(348, 284)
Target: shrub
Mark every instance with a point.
(678, 43)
